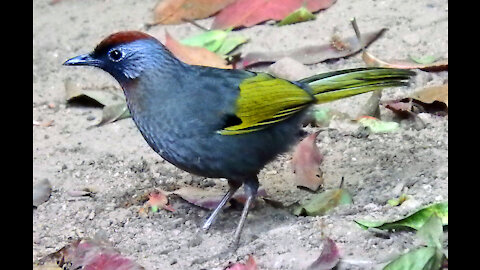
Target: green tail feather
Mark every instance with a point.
(345, 83)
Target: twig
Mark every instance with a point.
(195, 23)
(357, 32)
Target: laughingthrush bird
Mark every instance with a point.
(220, 123)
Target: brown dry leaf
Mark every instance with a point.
(430, 94)
(373, 61)
(433, 100)
(337, 48)
(194, 55)
(43, 124)
(210, 198)
(306, 163)
(174, 11)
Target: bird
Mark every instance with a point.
(220, 123)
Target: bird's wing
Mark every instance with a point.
(264, 100)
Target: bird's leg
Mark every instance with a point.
(251, 188)
(233, 188)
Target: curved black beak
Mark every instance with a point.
(82, 60)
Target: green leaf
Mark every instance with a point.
(378, 126)
(397, 201)
(210, 40)
(112, 113)
(425, 258)
(323, 202)
(432, 232)
(414, 221)
(230, 44)
(425, 60)
(300, 15)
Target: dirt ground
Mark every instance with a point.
(114, 160)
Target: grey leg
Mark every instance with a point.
(251, 192)
(233, 188)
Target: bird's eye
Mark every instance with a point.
(115, 55)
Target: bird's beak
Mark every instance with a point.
(82, 60)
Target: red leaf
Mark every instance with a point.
(329, 257)
(91, 255)
(306, 163)
(250, 264)
(250, 12)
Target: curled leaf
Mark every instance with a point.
(315, 53)
(329, 257)
(300, 15)
(425, 258)
(414, 221)
(306, 162)
(373, 61)
(405, 107)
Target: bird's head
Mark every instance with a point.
(125, 55)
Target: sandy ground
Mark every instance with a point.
(115, 161)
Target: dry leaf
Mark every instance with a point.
(315, 53)
(329, 257)
(433, 100)
(306, 163)
(157, 200)
(210, 198)
(372, 61)
(174, 11)
(89, 254)
(251, 12)
(43, 124)
(194, 55)
(430, 94)
(250, 264)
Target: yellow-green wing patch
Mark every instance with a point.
(265, 100)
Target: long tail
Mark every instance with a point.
(345, 83)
